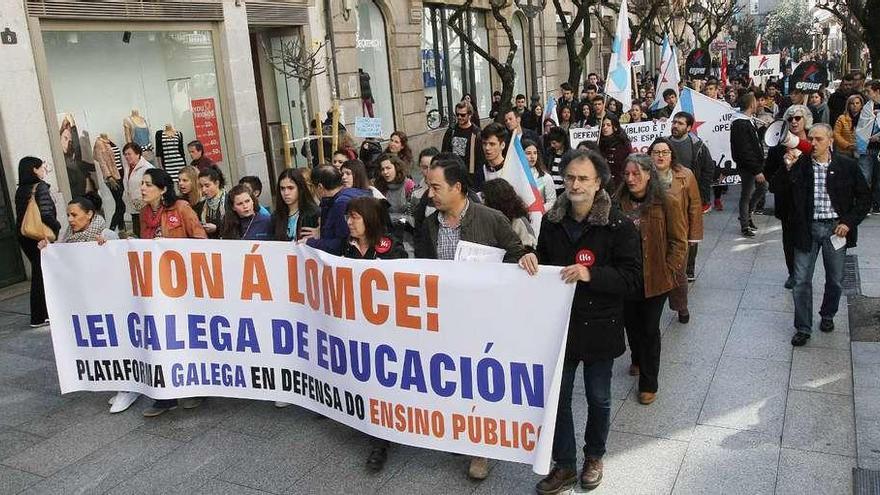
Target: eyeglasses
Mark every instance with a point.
(661, 152)
(462, 115)
(795, 118)
(578, 178)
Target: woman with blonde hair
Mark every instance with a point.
(188, 187)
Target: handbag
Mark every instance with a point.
(32, 225)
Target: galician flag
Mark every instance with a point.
(618, 84)
(669, 76)
(517, 172)
(550, 112)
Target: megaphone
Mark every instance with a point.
(778, 134)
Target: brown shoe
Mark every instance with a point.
(591, 476)
(558, 481)
(479, 468)
(646, 398)
(634, 370)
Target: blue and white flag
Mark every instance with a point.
(669, 76)
(618, 84)
(550, 112)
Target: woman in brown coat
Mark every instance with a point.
(663, 231)
(681, 184)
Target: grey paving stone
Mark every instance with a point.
(426, 468)
(867, 376)
(74, 443)
(218, 487)
(283, 460)
(714, 277)
(33, 342)
(698, 342)
(73, 409)
(19, 406)
(509, 477)
(720, 302)
(637, 464)
(721, 460)
(865, 353)
(760, 334)
(102, 470)
(819, 423)
(14, 481)
(816, 369)
(43, 380)
(184, 425)
(14, 365)
(810, 473)
(12, 324)
(344, 471)
(13, 441)
(189, 467)
(675, 412)
(747, 394)
(262, 419)
(18, 304)
(768, 297)
(867, 412)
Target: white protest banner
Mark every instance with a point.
(641, 134)
(577, 136)
(365, 127)
(763, 66)
(712, 119)
(395, 349)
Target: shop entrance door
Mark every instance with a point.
(279, 97)
(12, 267)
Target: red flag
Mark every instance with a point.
(724, 71)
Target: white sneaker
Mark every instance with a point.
(123, 400)
(282, 405)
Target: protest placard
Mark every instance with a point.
(392, 348)
(365, 127)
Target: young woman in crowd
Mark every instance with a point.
(133, 171)
(664, 248)
(398, 145)
(680, 183)
(85, 224)
(339, 157)
(613, 106)
(586, 112)
(475, 115)
(295, 206)
(166, 216)
(819, 108)
(188, 187)
(556, 146)
(354, 174)
(394, 184)
(369, 240)
(845, 127)
(32, 184)
(244, 219)
(542, 177)
(565, 117)
(500, 195)
(615, 146)
(213, 209)
(634, 115)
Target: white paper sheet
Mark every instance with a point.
(470, 251)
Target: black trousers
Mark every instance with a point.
(136, 224)
(642, 321)
(118, 220)
(788, 247)
(39, 313)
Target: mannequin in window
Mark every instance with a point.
(366, 94)
(169, 149)
(106, 154)
(137, 130)
(77, 169)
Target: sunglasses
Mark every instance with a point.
(463, 115)
(795, 118)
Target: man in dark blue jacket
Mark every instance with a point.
(334, 200)
(828, 199)
(601, 252)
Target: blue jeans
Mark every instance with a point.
(805, 264)
(597, 384)
(866, 165)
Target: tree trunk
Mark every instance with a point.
(853, 54)
(872, 39)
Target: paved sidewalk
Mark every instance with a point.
(739, 410)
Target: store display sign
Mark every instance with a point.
(204, 112)
(365, 127)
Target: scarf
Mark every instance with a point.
(88, 234)
(666, 179)
(151, 222)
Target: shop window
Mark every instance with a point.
(446, 53)
(133, 86)
(372, 58)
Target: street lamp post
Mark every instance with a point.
(532, 11)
